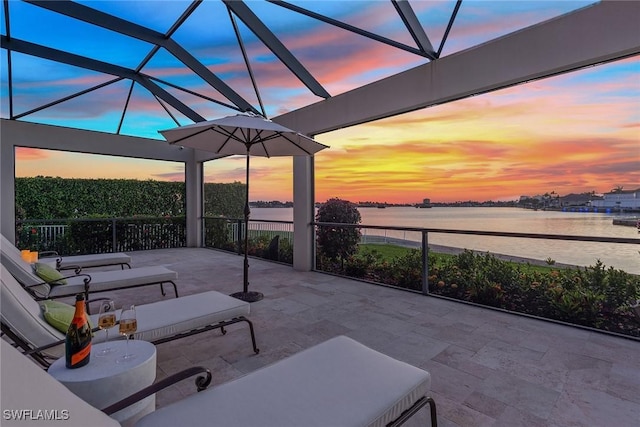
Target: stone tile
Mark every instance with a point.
(450, 382)
(485, 404)
(460, 358)
(622, 351)
(588, 407)
(531, 398)
(505, 350)
(372, 337)
(173, 365)
(323, 330)
(521, 362)
(624, 382)
(265, 358)
(433, 322)
(512, 417)
(309, 298)
(577, 370)
(462, 338)
(507, 333)
(452, 413)
(287, 306)
(595, 379)
(413, 348)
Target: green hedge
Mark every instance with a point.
(594, 296)
(54, 198)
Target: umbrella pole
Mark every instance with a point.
(245, 295)
(247, 213)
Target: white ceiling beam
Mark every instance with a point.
(16, 133)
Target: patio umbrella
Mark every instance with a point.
(244, 134)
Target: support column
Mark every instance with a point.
(7, 189)
(194, 189)
(303, 213)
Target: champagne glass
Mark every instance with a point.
(128, 325)
(106, 321)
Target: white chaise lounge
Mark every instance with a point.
(71, 262)
(158, 322)
(338, 383)
(100, 281)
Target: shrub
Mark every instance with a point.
(335, 242)
(593, 296)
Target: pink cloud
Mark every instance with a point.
(24, 153)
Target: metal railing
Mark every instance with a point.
(269, 239)
(418, 238)
(591, 295)
(418, 271)
(101, 235)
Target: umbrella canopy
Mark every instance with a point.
(243, 133)
(250, 135)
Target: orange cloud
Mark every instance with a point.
(269, 178)
(567, 134)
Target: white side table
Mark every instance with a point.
(103, 382)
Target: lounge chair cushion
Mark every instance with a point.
(337, 383)
(59, 315)
(25, 385)
(22, 270)
(172, 316)
(108, 280)
(49, 274)
(23, 314)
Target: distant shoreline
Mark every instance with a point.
(450, 250)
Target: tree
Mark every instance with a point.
(335, 242)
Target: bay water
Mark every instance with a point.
(621, 256)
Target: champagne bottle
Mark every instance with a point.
(78, 339)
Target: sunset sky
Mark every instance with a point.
(572, 133)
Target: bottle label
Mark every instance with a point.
(79, 356)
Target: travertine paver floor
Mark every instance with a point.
(488, 368)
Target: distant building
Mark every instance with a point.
(628, 200)
(541, 201)
(573, 199)
(426, 203)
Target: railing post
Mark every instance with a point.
(113, 235)
(425, 263)
(203, 232)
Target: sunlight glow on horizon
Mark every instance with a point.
(528, 139)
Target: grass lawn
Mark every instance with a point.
(389, 252)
